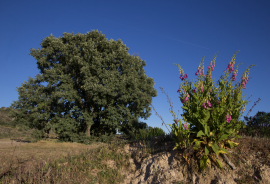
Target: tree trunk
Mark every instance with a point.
(88, 127)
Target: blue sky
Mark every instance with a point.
(161, 32)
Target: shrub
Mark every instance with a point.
(148, 134)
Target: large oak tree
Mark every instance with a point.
(92, 85)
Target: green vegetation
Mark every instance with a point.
(90, 83)
(86, 72)
(25, 164)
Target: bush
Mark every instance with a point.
(148, 134)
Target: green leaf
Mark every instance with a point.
(183, 107)
(232, 144)
(222, 150)
(206, 130)
(204, 162)
(215, 147)
(200, 133)
(224, 136)
(206, 150)
(219, 164)
(197, 144)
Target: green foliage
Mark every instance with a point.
(38, 134)
(91, 81)
(206, 112)
(148, 134)
(134, 130)
(156, 132)
(22, 118)
(260, 124)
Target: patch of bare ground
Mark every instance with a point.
(168, 166)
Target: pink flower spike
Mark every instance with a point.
(231, 68)
(234, 76)
(212, 67)
(198, 71)
(209, 104)
(228, 66)
(185, 99)
(228, 118)
(185, 126)
(176, 121)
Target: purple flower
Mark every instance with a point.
(184, 100)
(243, 85)
(185, 125)
(202, 73)
(183, 76)
(230, 67)
(204, 106)
(209, 104)
(244, 81)
(234, 76)
(176, 121)
(228, 118)
(198, 71)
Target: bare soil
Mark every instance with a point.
(168, 166)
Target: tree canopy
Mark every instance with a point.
(92, 85)
(261, 119)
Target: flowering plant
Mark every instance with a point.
(212, 114)
(181, 132)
